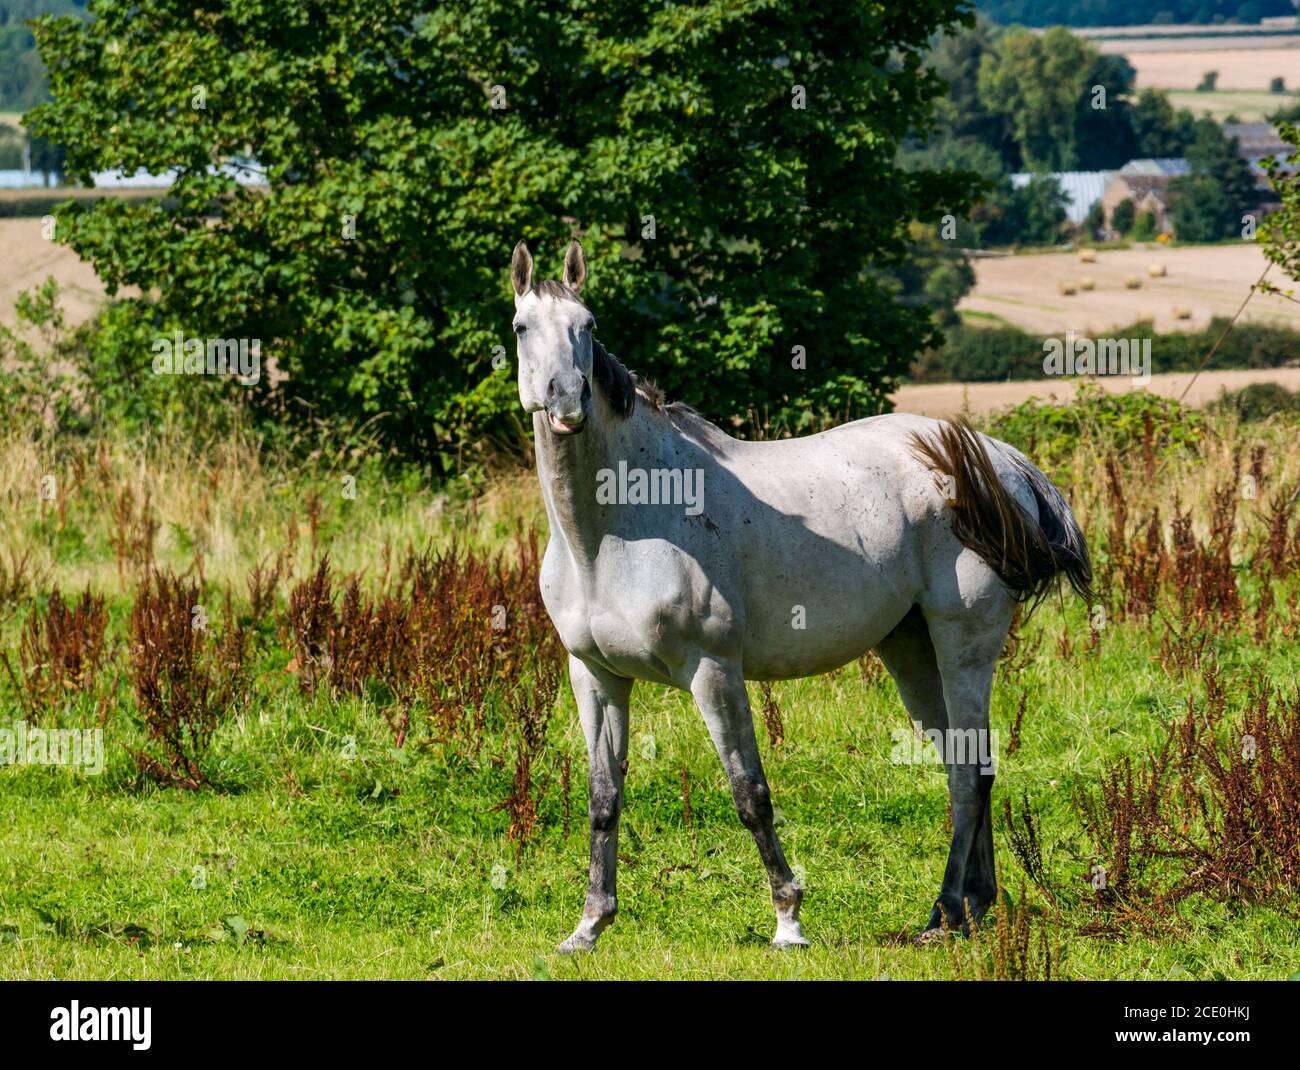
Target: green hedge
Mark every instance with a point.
(988, 354)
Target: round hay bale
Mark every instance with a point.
(1088, 256)
(1087, 283)
(1132, 282)
(1144, 316)
(1156, 271)
(1182, 313)
(1066, 287)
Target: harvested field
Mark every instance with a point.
(29, 259)
(1208, 281)
(1180, 64)
(942, 400)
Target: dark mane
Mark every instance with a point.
(615, 381)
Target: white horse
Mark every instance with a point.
(681, 555)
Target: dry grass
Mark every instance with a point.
(217, 511)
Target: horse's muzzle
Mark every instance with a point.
(568, 415)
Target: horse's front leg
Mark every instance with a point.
(719, 691)
(602, 706)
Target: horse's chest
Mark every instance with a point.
(624, 612)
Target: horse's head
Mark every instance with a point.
(554, 330)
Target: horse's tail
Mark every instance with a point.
(1028, 552)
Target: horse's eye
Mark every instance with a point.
(520, 328)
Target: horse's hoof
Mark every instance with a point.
(789, 935)
(781, 943)
(576, 943)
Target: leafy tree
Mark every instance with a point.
(1145, 226)
(1201, 210)
(1122, 218)
(1044, 90)
(1281, 237)
(1096, 219)
(724, 223)
(1103, 124)
(1210, 202)
(1043, 204)
(960, 113)
(1034, 214)
(980, 162)
(45, 158)
(936, 275)
(1159, 130)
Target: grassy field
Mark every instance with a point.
(319, 847)
(1244, 105)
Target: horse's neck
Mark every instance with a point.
(567, 469)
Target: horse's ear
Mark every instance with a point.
(575, 267)
(521, 269)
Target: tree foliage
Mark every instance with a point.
(724, 225)
(1281, 236)
(1210, 201)
(1060, 100)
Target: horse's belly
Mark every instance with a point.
(817, 606)
(818, 636)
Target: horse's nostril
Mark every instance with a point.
(551, 390)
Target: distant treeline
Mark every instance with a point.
(990, 354)
(22, 74)
(1130, 12)
(1019, 101)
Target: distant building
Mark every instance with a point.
(1164, 167)
(244, 172)
(1146, 184)
(1082, 189)
(1257, 140)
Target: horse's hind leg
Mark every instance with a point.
(719, 691)
(966, 648)
(908, 653)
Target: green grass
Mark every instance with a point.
(976, 318)
(382, 865)
(1248, 105)
(320, 862)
